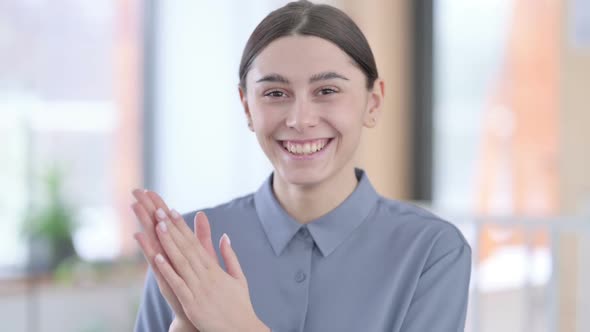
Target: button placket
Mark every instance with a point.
(305, 241)
(300, 276)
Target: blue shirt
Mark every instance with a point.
(371, 264)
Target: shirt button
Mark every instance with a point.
(300, 276)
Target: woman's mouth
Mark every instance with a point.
(305, 149)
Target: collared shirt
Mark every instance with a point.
(371, 264)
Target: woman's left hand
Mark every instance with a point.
(213, 300)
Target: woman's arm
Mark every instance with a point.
(181, 326)
(440, 299)
(154, 312)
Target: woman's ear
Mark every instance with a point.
(244, 102)
(374, 104)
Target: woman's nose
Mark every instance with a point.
(302, 115)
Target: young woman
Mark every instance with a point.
(315, 248)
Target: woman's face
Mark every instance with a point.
(307, 103)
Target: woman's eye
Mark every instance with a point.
(275, 93)
(327, 91)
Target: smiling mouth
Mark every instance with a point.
(305, 147)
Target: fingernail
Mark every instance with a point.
(221, 239)
(163, 226)
(175, 214)
(159, 258)
(160, 213)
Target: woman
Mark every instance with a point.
(315, 248)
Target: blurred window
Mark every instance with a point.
(70, 96)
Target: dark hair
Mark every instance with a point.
(308, 19)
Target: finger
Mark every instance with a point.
(147, 224)
(150, 254)
(203, 232)
(182, 226)
(177, 284)
(232, 264)
(160, 204)
(146, 202)
(157, 201)
(146, 248)
(181, 255)
(207, 257)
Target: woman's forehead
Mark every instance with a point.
(301, 57)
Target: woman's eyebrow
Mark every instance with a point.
(273, 78)
(276, 78)
(328, 75)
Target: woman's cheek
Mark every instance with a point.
(269, 115)
(340, 108)
(263, 111)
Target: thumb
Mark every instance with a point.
(230, 258)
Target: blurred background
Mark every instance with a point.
(485, 123)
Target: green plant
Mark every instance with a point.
(52, 223)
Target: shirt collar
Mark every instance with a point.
(328, 231)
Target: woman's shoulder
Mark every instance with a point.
(420, 224)
(238, 206)
(238, 203)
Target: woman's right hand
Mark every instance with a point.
(145, 210)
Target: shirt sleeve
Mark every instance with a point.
(154, 314)
(440, 299)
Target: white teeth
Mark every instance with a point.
(306, 148)
(314, 147)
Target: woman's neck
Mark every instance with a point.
(307, 203)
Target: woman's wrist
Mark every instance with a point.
(179, 325)
(261, 327)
